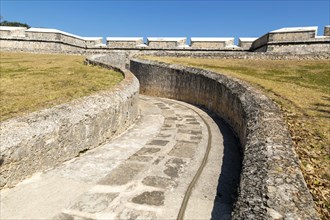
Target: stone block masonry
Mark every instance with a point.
(44, 34)
(166, 42)
(246, 42)
(295, 40)
(301, 40)
(211, 43)
(12, 31)
(44, 139)
(125, 42)
(271, 184)
(327, 31)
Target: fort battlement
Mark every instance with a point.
(296, 39)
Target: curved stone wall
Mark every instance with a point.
(271, 185)
(44, 139)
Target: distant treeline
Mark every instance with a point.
(13, 24)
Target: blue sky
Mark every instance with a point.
(167, 18)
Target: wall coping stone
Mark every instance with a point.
(295, 29)
(211, 39)
(247, 39)
(9, 28)
(124, 38)
(162, 39)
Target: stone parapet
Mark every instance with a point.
(295, 39)
(327, 31)
(44, 34)
(271, 184)
(293, 34)
(246, 42)
(211, 42)
(12, 31)
(125, 42)
(45, 139)
(302, 40)
(166, 42)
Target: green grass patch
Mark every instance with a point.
(302, 91)
(30, 82)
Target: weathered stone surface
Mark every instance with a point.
(211, 43)
(137, 214)
(183, 149)
(157, 181)
(158, 142)
(148, 151)
(155, 198)
(174, 166)
(266, 144)
(94, 203)
(295, 40)
(122, 174)
(44, 139)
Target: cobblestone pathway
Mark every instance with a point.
(146, 173)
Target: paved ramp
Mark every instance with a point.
(166, 166)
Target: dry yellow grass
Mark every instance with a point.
(301, 89)
(29, 82)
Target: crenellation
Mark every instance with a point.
(125, 42)
(327, 31)
(166, 42)
(211, 42)
(285, 40)
(246, 42)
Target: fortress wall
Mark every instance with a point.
(25, 45)
(261, 41)
(299, 48)
(125, 42)
(12, 31)
(271, 185)
(86, 45)
(246, 43)
(294, 40)
(45, 139)
(327, 31)
(292, 36)
(55, 35)
(211, 43)
(166, 43)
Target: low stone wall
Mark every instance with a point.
(45, 139)
(271, 185)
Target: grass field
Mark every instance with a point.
(29, 82)
(302, 90)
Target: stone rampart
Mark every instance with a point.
(295, 40)
(211, 43)
(45, 139)
(271, 185)
(125, 42)
(301, 40)
(166, 42)
(12, 31)
(43, 34)
(327, 31)
(246, 42)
